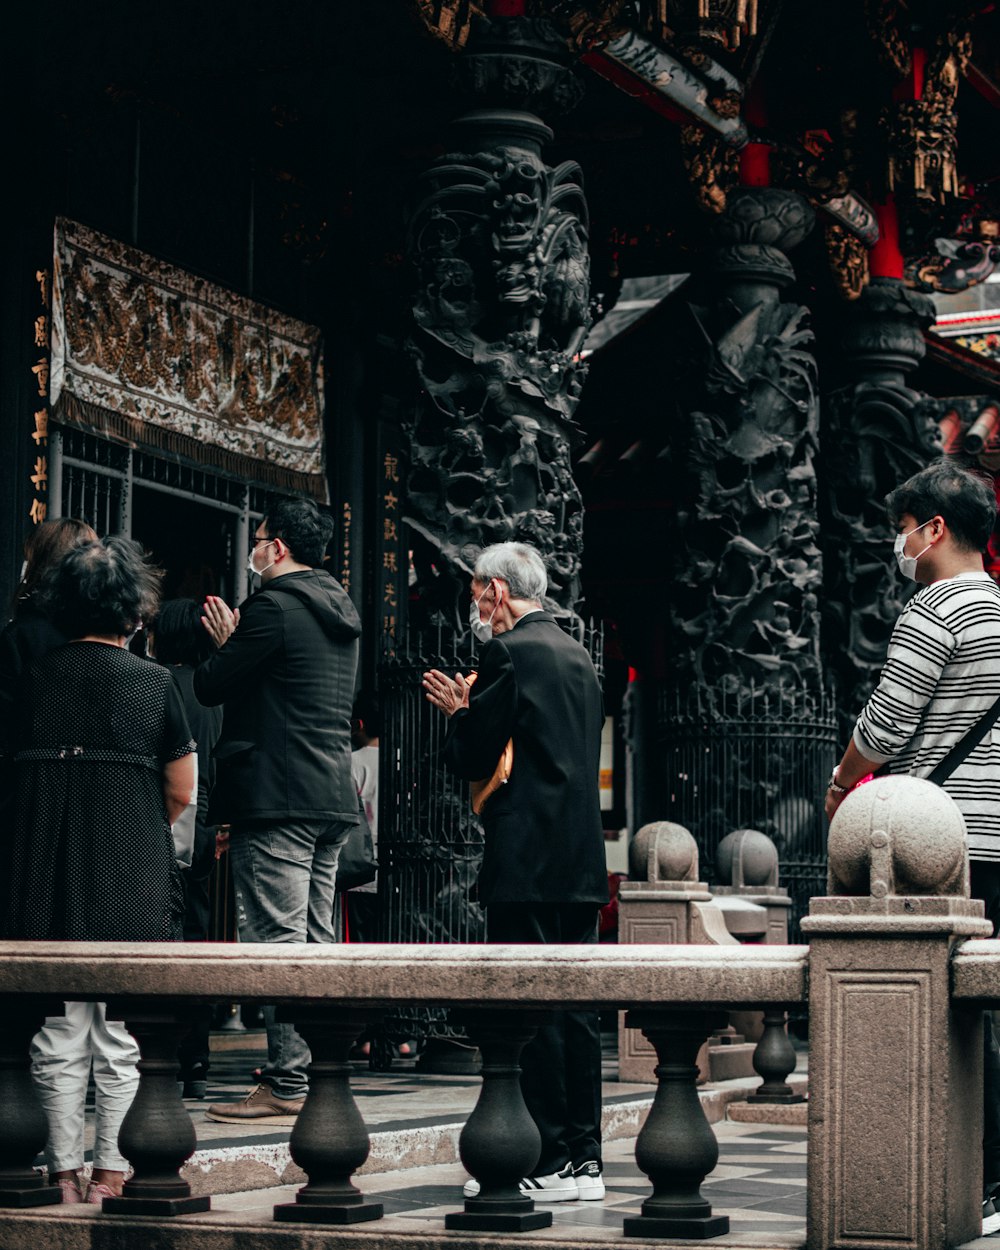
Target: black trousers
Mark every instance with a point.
(985, 884)
(561, 1068)
(193, 1053)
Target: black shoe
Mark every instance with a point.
(193, 1083)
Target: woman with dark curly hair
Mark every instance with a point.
(102, 766)
(29, 633)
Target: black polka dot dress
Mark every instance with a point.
(91, 852)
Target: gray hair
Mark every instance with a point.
(517, 564)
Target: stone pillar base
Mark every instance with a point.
(327, 1213)
(652, 1226)
(21, 1196)
(497, 1221)
(155, 1206)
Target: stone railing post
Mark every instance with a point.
(663, 901)
(676, 1147)
(500, 1142)
(895, 1070)
(23, 1127)
(330, 1141)
(157, 1135)
(773, 1060)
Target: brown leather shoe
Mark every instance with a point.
(259, 1105)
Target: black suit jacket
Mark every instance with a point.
(544, 838)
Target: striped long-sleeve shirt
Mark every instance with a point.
(941, 674)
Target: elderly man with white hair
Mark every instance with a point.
(544, 872)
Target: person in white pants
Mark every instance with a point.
(61, 1055)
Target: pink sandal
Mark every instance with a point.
(71, 1191)
(97, 1191)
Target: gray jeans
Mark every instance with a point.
(284, 879)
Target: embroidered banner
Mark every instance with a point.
(154, 356)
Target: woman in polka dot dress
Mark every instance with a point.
(102, 759)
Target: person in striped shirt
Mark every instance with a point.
(942, 673)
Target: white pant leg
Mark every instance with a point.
(60, 1068)
(115, 1053)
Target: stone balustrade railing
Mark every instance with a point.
(895, 979)
(677, 995)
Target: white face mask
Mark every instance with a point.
(251, 567)
(908, 564)
(481, 630)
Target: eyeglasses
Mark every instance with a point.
(260, 540)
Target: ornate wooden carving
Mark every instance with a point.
(499, 244)
(922, 134)
(885, 20)
(954, 265)
(848, 260)
(726, 23)
(713, 167)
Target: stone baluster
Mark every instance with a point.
(774, 1059)
(329, 1141)
(676, 1147)
(24, 1128)
(157, 1135)
(500, 1143)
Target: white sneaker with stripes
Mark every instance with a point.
(556, 1187)
(589, 1181)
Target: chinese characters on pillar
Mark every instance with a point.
(390, 543)
(39, 392)
(345, 568)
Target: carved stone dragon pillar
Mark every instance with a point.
(877, 432)
(499, 244)
(746, 579)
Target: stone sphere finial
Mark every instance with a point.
(747, 857)
(898, 835)
(663, 851)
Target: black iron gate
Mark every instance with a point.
(430, 843)
(761, 760)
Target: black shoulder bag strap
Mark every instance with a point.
(965, 745)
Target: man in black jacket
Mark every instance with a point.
(544, 872)
(285, 671)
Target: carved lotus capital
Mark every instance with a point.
(765, 215)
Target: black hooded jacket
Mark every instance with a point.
(286, 678)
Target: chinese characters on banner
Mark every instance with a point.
(39, 391)
(392, 559)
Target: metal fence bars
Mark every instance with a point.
(430, 843)
(758, 759)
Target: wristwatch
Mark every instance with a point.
(835, 785)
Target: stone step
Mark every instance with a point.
(263, 1161)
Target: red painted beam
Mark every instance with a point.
(633, 86)
(755, 158)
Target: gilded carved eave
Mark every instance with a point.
(980, 365)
